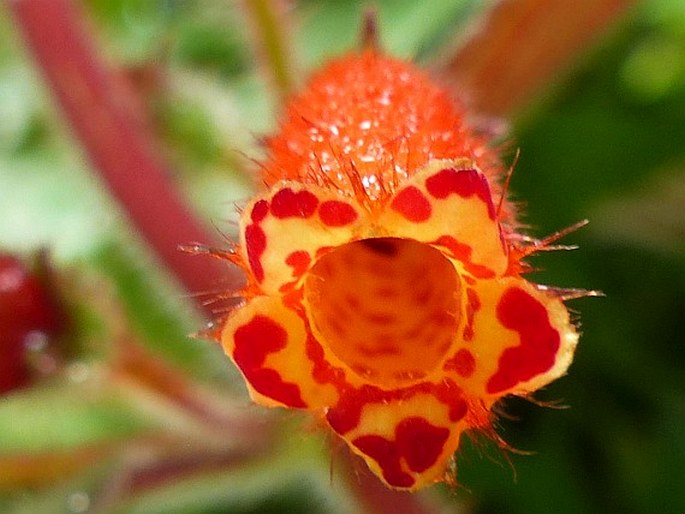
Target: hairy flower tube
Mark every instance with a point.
(384, 269)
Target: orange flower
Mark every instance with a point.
(385, 291)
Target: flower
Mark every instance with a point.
(384, 286)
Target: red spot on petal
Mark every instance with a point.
(458, 408)
(420, 443)
(412, 204)
(256, 339)
(449, 393)
(299, 261)
(337, 214)
(259, 211)
(386, 453)
(255, 244)
(463, 252)
(346, 414)
(417, 441)
(253, 342)
(472, 306)
(290, 204)
(464, 183)
(269, 383)
(463, 363)
(539, 340)
(323, 371)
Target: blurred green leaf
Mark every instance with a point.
(68, 416)
(651, 216)
(158, 313)
(407, 29)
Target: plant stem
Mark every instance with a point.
(522, 46)
(105, 115)
(270, 27)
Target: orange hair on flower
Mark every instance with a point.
(384, 290)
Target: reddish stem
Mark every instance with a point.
(521, 46)
(105, 114)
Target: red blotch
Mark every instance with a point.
(472, 306)
(387, 455)
(255, 244)
(420, 443)
(463, 363)
(269, 383)
(337, 214)
(346, 414)
(449, 393)
(253, 342)
(289, 204)
(463, 252)
(539, 341)
(464, 183)
(259, 211)
(416, 441)
(412, 204)
(299, 261)
(324, 372)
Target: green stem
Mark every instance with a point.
(270, 23)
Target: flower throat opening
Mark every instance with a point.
(388, 308)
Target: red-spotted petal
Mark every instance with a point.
(449, 204)
(514, 339)
(406, 435)
(285, 230)
(268, 341)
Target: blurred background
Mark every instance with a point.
(118, 410)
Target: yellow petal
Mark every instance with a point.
(515, 339)
(448, 204)
(269, 343)
(406, 436)
(284, 231)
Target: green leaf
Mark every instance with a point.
(64, 416)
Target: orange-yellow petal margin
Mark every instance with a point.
(384, 288)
